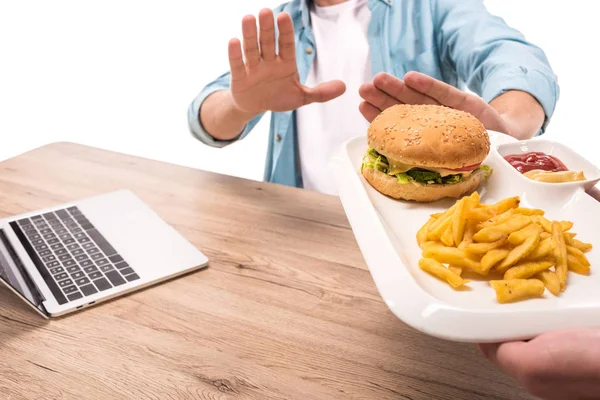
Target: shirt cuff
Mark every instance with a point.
(195, 126)
(543, 88)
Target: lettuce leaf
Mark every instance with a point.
(452, 179)
(487, 171)
(403, 178)
(424, 176)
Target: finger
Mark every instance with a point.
(267, 34)
(511, 357)
(236, 62)
(397, 89)
(250, 41)
(368, 110)
(376, 97)
(287, 44)
(445, 94)
(324, 92)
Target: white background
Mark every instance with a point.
(121, 74)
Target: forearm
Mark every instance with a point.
(522, 113)
(221, 118)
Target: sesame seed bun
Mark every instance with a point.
(429, 136)
(389, 186)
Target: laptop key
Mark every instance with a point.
(62, 214)
(83, 240)
(41, 247)
(61, 231)
(77, 275)
(77, 252)
(49, 258)
(116, 258)
(53, 264)
(121, 265)
(127, 271)
(24, 221)
(45, 231)
(73, 269)
(80, 235)
(81, 257)
(61, 276)
(66, 282)
(82, 281)
(95, 275)
(89, 289)
(53, 241)
(64, 257)
(60, 252)
(56, 246)
(44, 253)
(73, 246)
(86, 263)
(97, 256)
(101, 262)
(69, 241)
(65, 237)
(132, 277)
(70, 289)
(106, 268)
(93, 250)
(102, 284)
(88, 245)
(89, 270)
(74, 296)
(115, 278)
(37, 242)
(69, 263)
(50, 215)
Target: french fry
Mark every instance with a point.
(442, 218)
(497, 219)
(576, 266)
(436, 215)
(458, 221)
(527, 269)
(451, 255)
(482, 248)
(468, 235)
(543, 249)
(487, 212)
(519, 252)
(493, 233)
(547, 225)
(528, 211)
(578, 254)
(440, 227)
(456, 269)
(422, 232)
(447, 238)
(438, 270)
(584, 247)
(550, 281)
(560, 254)
(518, 237)
(491, 258)
(517, 289)
(545, 235)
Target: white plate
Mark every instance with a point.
(385, 231)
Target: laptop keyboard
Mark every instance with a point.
(74, 259)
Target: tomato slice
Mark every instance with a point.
(468, 168)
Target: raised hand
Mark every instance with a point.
(267, 80)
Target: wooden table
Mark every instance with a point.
(286, 310)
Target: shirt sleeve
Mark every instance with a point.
(489, 56)
(194, 123)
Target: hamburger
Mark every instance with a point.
(425, 153)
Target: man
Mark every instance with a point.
(334, 65)
(333, 52)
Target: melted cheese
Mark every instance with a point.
(397, 167)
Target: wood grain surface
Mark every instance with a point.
(286, 310)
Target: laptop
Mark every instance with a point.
(75, 255)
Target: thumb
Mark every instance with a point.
(324, 92)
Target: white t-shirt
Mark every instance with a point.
(342, 52)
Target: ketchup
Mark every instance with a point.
(535, 160)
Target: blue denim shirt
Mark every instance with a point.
(456, 41)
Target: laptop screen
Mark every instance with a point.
(12, 272)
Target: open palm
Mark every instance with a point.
(267, 81)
